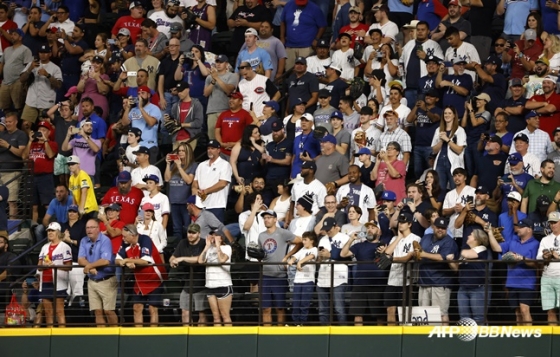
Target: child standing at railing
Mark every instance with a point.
(304, 282)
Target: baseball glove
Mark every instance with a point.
(497, 231)
(331, 188)
(358, 50)
(254, 251)
(383, 261)
(418, 249)
(171, 126)
(509, 257)
(360, 138)
(470, 219)
(357, 87)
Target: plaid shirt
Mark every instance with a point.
(398, 135)
(539, 143)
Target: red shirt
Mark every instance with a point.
(148, 278)
(48, 273)
(354, 33)
(184, 109)
(532, 53)
(116, 241)
(549, 122)
(8, 25)
(110, 136)
(397, 185)
(232, 125)
(129, 202)
(132, 24)
(42, 163)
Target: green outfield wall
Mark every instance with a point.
(408, 341)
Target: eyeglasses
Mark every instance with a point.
(499, 45)
(242, 67)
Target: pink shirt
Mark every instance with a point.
(397, 185)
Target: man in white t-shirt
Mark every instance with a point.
(456, 199)
(211, 181)
(388, 28)
(157, 199)
(144, 168)
(330, 247)
(402, 249)
(358, 194)
(308, 185)
(371, 134)
(133, 138)
(550, 282)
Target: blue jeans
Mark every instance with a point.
(301, 301)
(180, 217)
(472, 156)
(443, 168)
(421, 156)
(411, 96)
(220, 213)
(235, 230)
(324, 296)
(471, 303)
(324, 6)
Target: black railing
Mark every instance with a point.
(247, 307)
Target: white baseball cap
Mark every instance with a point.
(54, 226)
(514, 195)
(73, 159)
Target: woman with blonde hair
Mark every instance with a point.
(449, 144)
(551, 51)
(54, 253)
(179, 173)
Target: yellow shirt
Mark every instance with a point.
(82, 180)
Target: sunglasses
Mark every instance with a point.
(499, 45)
(91, 248)
(242, 67)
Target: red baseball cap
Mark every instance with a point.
(236, 94)
(144, 89)
(45, 124)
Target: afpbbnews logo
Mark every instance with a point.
(468, 330)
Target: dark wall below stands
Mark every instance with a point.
(271, 342)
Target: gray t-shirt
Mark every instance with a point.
(40, 93)
(218, 100)
(331, 167)
(344, 137)
(322, 117)
(276, 247)
(208, 222)
(9, 161)
(351, 121)
(15, 60)
(179, 190)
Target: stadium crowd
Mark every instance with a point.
(379, 132)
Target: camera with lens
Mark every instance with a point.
(189, 55)
(133, 101)
(37, 135)
(380, 55)
(190, 20)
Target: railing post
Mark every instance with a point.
(331, 294)
(260, 292)
(55, 278)
(191, 297)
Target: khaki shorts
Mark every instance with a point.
(11, 93)
(435, 296)
(102, 295)
(60, 165)
(13, 187)
(212, 120)
(30, 114)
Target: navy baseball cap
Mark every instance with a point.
(151, 178)
(405, 217)
(525, 223)
(521, 136)
(482, 189)
(323, 43)
(213, 144)
(441, 222)
(309, 165)
(515, 158)
(328, 224)
(363, 151)
(277, 125)
(301, 60)
(329, 138)
(222, 59)
(124, 176)
(142, 150)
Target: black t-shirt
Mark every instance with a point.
(257, 14)
(61, 130)
(481, 17)
(185, 249)
(77, 232)
(167, 69)
(516, 123)
(496, 91)
(34, 42)
(365, 175)
(301, 87)
(490, 168)
(416, 226)
(487, 215)
(337, 89)
(4, 192)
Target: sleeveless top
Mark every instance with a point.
(248, 164)
(282, 207)
(199, 34)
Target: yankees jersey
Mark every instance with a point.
(150, 64)
(258, 90)
(317, 66)
(346, 62)
(404, 246)
(453, 197)
(314, 189)
(334, 245)
(466, 52)
(360, 195)
(372, 135)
